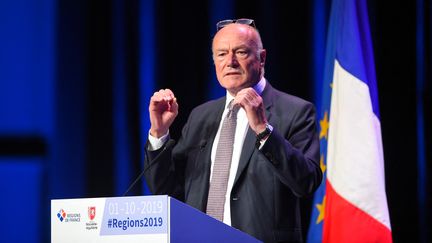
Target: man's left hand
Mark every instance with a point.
(253, 104)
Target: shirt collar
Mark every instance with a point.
(259, 88)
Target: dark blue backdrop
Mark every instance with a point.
(76, 77)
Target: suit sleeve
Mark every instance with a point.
(159, 171)
(164, 168)
(295, 154)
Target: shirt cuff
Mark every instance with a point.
(156, 143)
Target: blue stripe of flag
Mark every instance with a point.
(354, 45)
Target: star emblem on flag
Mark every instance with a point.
(324, 125)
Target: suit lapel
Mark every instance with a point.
(249, 143)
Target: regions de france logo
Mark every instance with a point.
(61, 215)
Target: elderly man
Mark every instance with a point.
(246, 158)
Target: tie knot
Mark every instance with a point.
(232, 109)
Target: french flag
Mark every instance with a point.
(354, 207)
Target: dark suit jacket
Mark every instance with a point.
(269, 181)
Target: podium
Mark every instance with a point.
(156, 219)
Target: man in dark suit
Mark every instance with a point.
(273, 151)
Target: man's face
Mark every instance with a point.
(237, 58)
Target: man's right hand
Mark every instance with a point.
(163, 110)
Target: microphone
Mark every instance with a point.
(168, 144)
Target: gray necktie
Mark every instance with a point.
(222, 164)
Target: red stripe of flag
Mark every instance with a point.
(345, 222)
